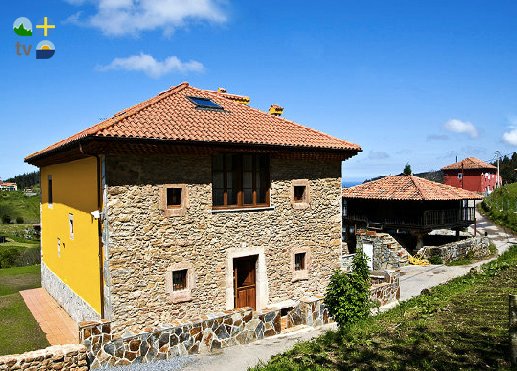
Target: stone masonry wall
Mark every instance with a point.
(387, 252)
(143, 242)
(57, 357)
(204, 335)
(477, 247)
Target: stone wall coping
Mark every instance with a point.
(85, 324)
(283, 304)
(311, 299)
(55, 350)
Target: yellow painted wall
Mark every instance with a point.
(74, 192)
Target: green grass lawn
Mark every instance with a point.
(19, 331)
(460, 325)
(16, 204)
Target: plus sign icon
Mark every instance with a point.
(45, 49)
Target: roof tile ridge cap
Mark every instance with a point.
(419, 189)
(133, 110)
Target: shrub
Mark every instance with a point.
(9, 258)
(348, 294)
(6, 219)
(19, 220)
(435, 259)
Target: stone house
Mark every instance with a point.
(189, 203)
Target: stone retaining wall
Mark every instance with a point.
(209, 333)
(387, 252)
(385, 287)
(475, 247)
(57, 357)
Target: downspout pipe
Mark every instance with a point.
(99, 224)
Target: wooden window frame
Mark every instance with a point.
(174, 210)
(302, 274)
(240, 189)
(184, 295)
(305, 203)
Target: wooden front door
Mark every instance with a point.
(244, 282)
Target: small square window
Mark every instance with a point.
(299, 261)
(173, 198)
(179, 280)
(299, 193)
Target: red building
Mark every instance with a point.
(471, 174)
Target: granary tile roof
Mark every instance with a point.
(469, 163)
(171, 116)
(408, 187)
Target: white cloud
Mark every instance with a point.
(121, 17)
(462, 127)
(510, 137)
(151, 67)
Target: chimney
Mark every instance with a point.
(276, 110)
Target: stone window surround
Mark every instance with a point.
(180, 296)
(71, 225)
(175, 211)
(301, 274)
(261, 275)
(306, 203)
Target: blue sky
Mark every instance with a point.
(410, 81)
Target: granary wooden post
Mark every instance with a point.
(513, 328)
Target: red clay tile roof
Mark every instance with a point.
(171, 116)
(402, 187)
(469, 163)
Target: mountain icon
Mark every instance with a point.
(22, 27)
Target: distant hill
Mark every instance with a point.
(27, 180)
(15, 205)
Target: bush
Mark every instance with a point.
(348, 294)
(6, 219)
(435, 259)
(9, 258)
(19, 220)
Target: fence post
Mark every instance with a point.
(513, 328)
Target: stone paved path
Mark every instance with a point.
(53, 320)
(413, 281)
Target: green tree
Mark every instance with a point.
(407, 169)
(348, 294)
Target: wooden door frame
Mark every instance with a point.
(255, 258)
(261, 280)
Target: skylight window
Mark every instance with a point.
(205, 103)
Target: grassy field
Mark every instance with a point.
(19, 331)
(460, 325)
(501, 206)
(15, 204)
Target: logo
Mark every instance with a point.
(23, 27)
(45, 50)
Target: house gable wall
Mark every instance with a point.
(143, 242)
(70, 261)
